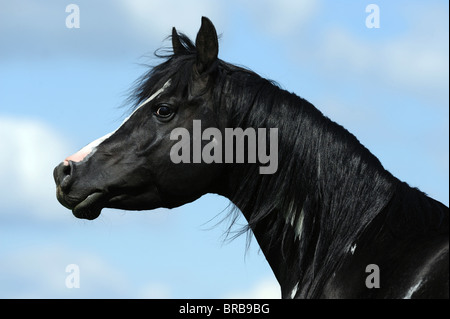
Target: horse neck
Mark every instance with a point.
(327, 189)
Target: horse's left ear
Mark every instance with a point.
(207, 45)
(177, 46)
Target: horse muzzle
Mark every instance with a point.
(86, 206)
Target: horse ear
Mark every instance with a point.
(207, 45)
(177, 47)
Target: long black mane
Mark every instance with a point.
(328, 188)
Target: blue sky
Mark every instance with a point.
(62, 88)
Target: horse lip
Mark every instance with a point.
(66, 200)
(90, 207)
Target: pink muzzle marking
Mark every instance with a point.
(85, 151)
(77, 157)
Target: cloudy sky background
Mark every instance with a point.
(61, 88)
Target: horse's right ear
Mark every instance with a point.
(207, 45)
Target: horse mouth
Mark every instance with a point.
(90, 208)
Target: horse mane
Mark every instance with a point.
(177, 68)
(328, 187)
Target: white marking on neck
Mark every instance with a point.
(290, 216)
(294, 291)
(412, 290)
(299, 226)
(353, 248)
(91, 148)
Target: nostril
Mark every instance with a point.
(62, 174)
(67, 174)
(67, 168)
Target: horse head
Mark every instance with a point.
(130, 168)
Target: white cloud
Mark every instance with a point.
(155, 291)
(29, 151)
(406, 63)
(282, 17)
(40, 272)
(158, 17)
(265, 289)
(108, 29)
(415, 64)
(415, 60)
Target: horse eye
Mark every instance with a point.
(163, 111)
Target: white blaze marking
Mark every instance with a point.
(85, 151)
(154, 95)
(92, 147)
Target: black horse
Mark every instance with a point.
(331, 221)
